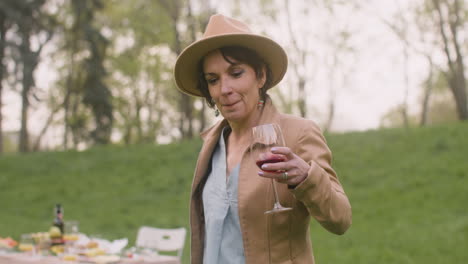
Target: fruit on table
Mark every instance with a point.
(40, 236)
(71, 237)
(8, 242)
(92, 244)
(57, 249)
(54, 232)
(70, 258)
(25, 247)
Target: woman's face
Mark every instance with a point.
(233, 87)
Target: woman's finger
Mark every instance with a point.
(284, 151)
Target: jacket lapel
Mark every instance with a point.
(210, 138)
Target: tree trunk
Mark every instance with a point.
(185, 101)
(137, 121)
(202, 24)
(301, 76)
(44, 129)
(29, 62)
(202, 117)
(427, 93)
(331, 113)
(404, 109)
(456, 68)
(2, 69)
(27, 26)
(457, 85)
(68, 92)
(301, 99)
(459, 74)
(192, 23)
(24, 137)
(74, 116)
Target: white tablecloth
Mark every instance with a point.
(18, 258)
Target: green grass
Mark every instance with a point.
(408, 189)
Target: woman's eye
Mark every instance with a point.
(211, 81)
(237, 73)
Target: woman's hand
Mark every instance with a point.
(292, 171)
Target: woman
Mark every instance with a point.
(232, 68)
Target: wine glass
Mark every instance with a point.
(26, 244)
(71, 235)
(265, 137)
(71, 231)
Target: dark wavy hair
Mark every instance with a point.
(240, 55)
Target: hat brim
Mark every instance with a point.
(185, 70)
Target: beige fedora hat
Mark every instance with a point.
(224, 31)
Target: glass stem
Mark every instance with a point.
(277, 203)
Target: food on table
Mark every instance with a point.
(57, 249)
(95, 252)
(54, 232)
(56, 237)
(92, 244)
(70, 258)
(70, 237)
(25, 247)
(40, 236)
(7, 242)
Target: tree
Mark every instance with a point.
(96, 94)
(142, 91)
(340, 56)
(400, 28)
(299, 65)
(198, 24)
(174, 8)
(3, 29)
(428, 87)
(31, 25)
(451, 16)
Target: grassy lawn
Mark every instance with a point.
(408, 189)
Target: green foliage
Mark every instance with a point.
(395, 118)
(9, 144)
(141, 33)
(408, 189)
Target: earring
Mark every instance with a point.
(260, 103)
(216, 112)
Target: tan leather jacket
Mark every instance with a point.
(282, 237)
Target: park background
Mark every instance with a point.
(90, 116)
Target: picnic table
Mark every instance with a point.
(22, 258)
(80, 250)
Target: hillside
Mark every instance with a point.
(408, 189)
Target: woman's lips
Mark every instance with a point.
(229, 105)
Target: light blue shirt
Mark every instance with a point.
(223, 237)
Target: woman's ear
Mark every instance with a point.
(262, 78)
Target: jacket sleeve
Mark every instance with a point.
(321, 192)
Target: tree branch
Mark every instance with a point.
(444, 34)
(454, 25)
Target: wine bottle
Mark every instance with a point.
(58, 227)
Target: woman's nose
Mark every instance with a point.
(226, 87)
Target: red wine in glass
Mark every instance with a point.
(271, 159)
(264, 138)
